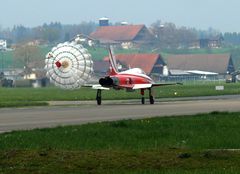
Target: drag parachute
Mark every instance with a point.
(69, 65)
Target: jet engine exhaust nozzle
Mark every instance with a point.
(106, 82)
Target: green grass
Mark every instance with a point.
(100, 53)
(22, 104)
(158, 145)
(52, 93)
(6, 58)
(150, 162)
(213, 131)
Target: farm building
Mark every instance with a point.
(125, 35)
(201, 64)
(215, 42)
(151, 64)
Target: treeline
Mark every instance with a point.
(50, 33)
(232, 38)
(167, 35)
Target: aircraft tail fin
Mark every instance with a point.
(113, 63)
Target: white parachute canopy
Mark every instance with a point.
(69, 65)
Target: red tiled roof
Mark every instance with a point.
(117, 33)
(143, 61)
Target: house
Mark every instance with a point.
(125, 35)
(201, 64)
(84, 39)
(214, 42)
(36, 42)
(151, 64)
(211, 43)
(33, 78)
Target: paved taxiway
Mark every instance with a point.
(39, 117)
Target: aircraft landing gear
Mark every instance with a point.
(99, 97)
(143, 99)
(151, 98)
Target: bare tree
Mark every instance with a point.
(170, 36)
(28, 57)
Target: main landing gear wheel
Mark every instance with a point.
(143, 100)
(99, 97)
(151, 98)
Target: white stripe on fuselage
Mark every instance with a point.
(136, 72)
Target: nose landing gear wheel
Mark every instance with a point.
(99, 97)
(143, 99)
(99, 101)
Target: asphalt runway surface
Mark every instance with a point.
(87, 112)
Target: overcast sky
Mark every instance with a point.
(223, 15)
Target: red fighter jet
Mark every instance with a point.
(132, 79)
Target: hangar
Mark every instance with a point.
(201, 64)
(178, 67)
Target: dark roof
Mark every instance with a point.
(204, 62)
(100, 66)
(117, 33)
(213, 38)
(143, 61)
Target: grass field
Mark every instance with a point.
(6, 58)
(99, 53)
(31, 95)
(176, 145)
(8, 104)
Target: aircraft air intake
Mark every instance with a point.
(109, 82)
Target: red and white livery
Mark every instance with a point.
(130, 80)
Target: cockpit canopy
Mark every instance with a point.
(135, 71)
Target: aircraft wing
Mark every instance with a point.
(142, 86)
(96, 87)
(145, 86)
(100, 87)
(165, 84)
(136, 86)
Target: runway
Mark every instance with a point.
(41, 117)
